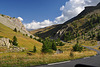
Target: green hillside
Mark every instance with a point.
(87, 22)
(23, 41)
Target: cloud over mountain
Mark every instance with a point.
(73, 8)
(36, 25)
(69, 10)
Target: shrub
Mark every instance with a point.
(31, 36)
(77, 47)
(34, 50)
(26, 34)
(1, 36)
(29, 53)
(99, 47)
(61, 44)
(19, 31)
(98, 36)
(71, 54)
(15, 30)
(54, 46)
(2, 15)
(10, 41)
(23, 34)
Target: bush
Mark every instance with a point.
(61, 44)
(1, 36)
(26, 34)
(77, 47)
(2, 15)
(23, 34)
(10, 41)
(29, 53)
(15, 30)
(31, 36)
(71, 54)
(50, 51)
(99, 47)
(34, 50)
(98, 36)
(54, 46)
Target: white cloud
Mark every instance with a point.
(36, 25)
(62, 7)
(69, 10)
(73, 8)
(21, 19)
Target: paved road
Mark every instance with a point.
(92, 61)
(98, 52)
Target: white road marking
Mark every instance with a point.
(86, 57)
(58, 63)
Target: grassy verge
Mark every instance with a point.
(22, 59)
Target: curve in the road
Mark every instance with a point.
(93, 61)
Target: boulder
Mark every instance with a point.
(4, 42)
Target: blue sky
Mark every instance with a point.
(29, 10)
(36, 14)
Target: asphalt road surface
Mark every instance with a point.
(91, 61)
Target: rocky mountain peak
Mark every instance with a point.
(13, 23)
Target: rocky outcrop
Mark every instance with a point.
(13, 23)
(4, 42)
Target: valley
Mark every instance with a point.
(77, 38)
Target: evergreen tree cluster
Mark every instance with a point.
(48, 45)
(77, 47)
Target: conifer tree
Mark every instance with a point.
(15, 43)
(54, 46)
(44, 47)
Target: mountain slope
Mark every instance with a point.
(23, 41)
(47, 31)
(82, 23)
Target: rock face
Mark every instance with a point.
(4, 42)
(13, 23)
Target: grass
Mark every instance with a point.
(89, 43)
(22, 59)
(97, 48)
(24, 41)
